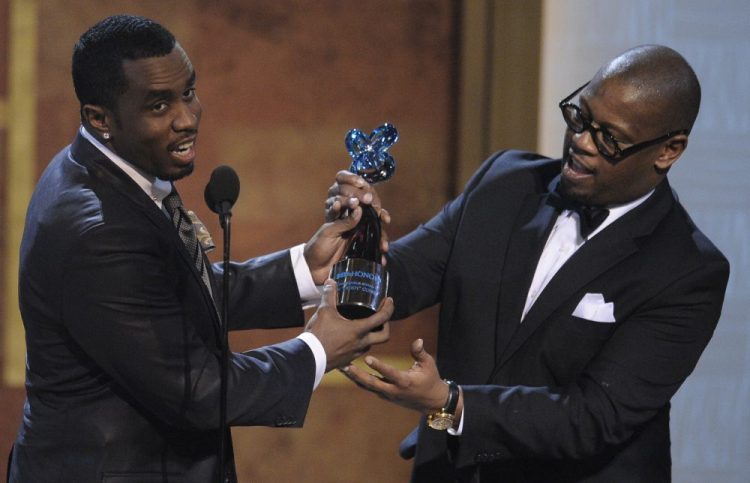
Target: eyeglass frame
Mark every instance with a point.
(620, 153)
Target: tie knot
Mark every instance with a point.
(590, 217)
(172, 202)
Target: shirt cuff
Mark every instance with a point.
(309, 293)
(457, 432)
(318, 352)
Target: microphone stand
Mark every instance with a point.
(224, 219)
(220, 194)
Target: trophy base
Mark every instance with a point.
(361, 286)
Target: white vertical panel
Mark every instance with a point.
(711, 413)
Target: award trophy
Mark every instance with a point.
(361, 280)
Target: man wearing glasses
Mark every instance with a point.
(576, 295)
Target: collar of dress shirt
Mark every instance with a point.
(156, 189)
(615, 212)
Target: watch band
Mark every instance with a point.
(452, 403)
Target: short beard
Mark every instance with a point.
(572, 195)
(187, 171)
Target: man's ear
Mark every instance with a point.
(670, 153)
(99, 119)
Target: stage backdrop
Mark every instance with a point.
(711, 412)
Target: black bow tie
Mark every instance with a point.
(591, 217)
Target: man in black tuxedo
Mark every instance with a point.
(576, 295)
(121, 319)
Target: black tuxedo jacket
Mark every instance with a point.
(122, 337)
(557, 397)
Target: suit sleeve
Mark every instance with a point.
(417, 261)
(263, 293)
(632, 378)
(133, 317)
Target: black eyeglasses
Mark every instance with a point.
(606, 144)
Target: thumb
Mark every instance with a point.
(418, 352)
(329, 294)
(346, 223)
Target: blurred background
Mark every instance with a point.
(282, 81)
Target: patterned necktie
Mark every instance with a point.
(184, 226)
(590, 217)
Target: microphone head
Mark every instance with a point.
(222, 190)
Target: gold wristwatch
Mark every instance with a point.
(443, 419)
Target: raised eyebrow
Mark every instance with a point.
(167, 94)
(158, 95)
(191, 80)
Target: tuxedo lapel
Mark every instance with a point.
(590, 261)
(595, 257)
(532, 226)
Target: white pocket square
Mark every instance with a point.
(593, 307)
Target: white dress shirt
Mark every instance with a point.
(158, 189)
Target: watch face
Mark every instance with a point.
(440, 421)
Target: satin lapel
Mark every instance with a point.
(533, 224)
(105, 170)
(606, 249)
(586, 264)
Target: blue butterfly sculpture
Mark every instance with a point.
(370, 153)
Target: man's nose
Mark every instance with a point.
(583, 142)
(188, 116)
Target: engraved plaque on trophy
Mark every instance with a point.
(361, 280)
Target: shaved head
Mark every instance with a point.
(661, 78)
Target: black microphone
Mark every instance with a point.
(222, 190)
